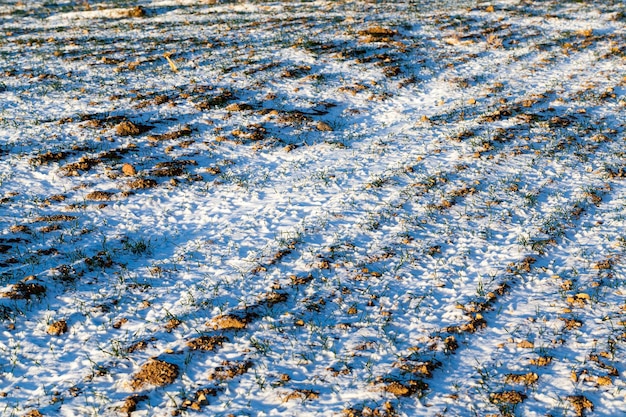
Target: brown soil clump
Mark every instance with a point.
(155, 372)
(253, 132)
(23, 291)
(474, 324)
(199, 399)
(129, 170)
(218, 100)
(99, 196)
(525, 344)
(451, 343)
(272, 298)
(142, 183)
(302, 395)
(605, 264)
(168, 172)
(175, 164)
(581, 404)
(524, 379)
(84, 164)
(377, 34)
(50, 228)
(127, 128)
(172, 324)
(119, 323)
(291, 117)
(420, 369)
(19, 228)
(45, 158)
(323, 127)
(507, 397)
(54, 218)
(57, 328)
(130, 404)
(571, 324)
(229, 370)
(378, 31)
(386, 410)
(59, 198)
(185, 131)
(138, 346)
(541, 361)
(137, 11)
(398, 389)
(405, 389)
(228, 322)
(234, 107)
(206, 342)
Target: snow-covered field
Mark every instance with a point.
(322, 208)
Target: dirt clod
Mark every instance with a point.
(405, 389)
(451, 343)
(57, 328)
(54, 218)
(302, 395)
(168, 172)
(19, 228)
(206, 342)
(523, 379)
(228, 322)
(378, 32)
(127, 128)
(128, 170)
(581, 404)
(229, 370)
(234, 107)
(172, 324)
(323, 127)
(137, 346)
(507, 397)
(47, 157)
(541, 361)
(24, 291)
(130, 404)
(604, 264)
(184, 131)
(142, 183)
(99, 196)
(137, 11)
(155, 372)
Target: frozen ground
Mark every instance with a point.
(349, 208)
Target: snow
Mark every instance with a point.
(401, 222)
